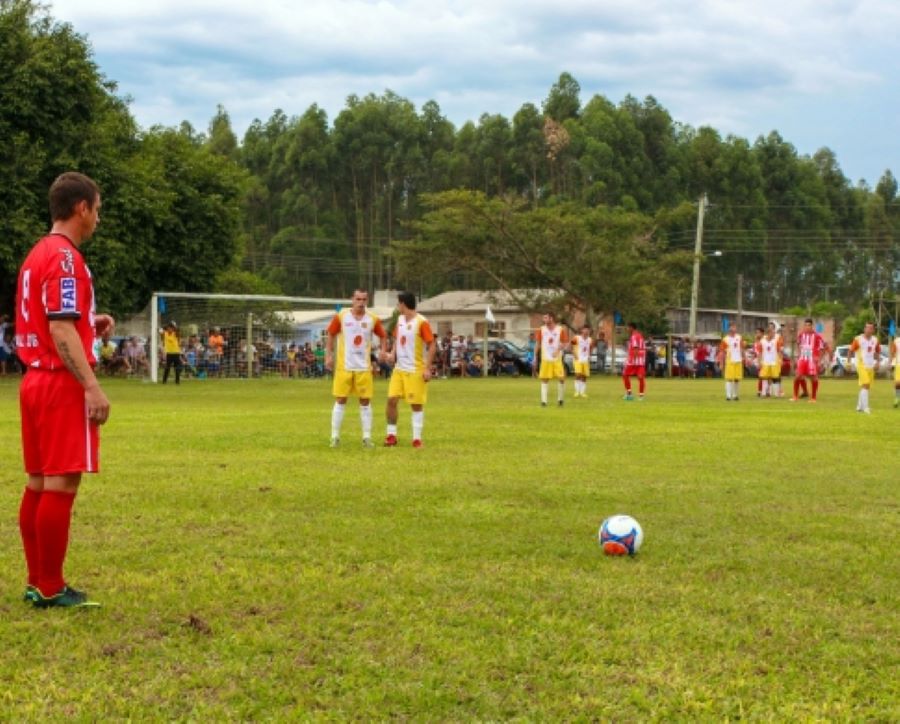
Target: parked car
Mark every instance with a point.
(843, 363)
(511, 351)
(621, 355)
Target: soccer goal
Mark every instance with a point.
(230, 335)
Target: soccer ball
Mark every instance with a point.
(621, 535)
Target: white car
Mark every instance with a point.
(843, 363)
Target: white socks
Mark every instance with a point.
(863, 399)
(544, 387)
(561, 392)
(418, 422)
(337, 419)
(365, 419)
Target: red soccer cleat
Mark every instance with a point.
(417, 443)
(390, 441)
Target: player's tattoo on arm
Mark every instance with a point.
(65, 355)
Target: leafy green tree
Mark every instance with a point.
(598, 260)
(222, 139)
(563, 102)
(528, 152)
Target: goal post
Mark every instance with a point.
(261, 334)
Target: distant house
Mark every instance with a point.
(463, 312)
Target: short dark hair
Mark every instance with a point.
(407, 299)
(67, 191)
(550, 313)
(632, 325)
(808, 320)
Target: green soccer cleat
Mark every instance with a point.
(68, 597)
(31, 594)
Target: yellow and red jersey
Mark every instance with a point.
(354, 339)
(581, 348)
(770, 351)
(551, 342)
(410, 338)
(867, 350)
(732, 347)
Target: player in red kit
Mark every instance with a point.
(61, 402)
(635, 365)
(812, 350)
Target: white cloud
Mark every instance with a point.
(744, 67)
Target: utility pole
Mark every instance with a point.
(695, 283)
(740, 301)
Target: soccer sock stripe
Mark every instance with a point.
(28, 529)
(54, 516)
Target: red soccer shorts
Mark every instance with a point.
(57, 437)
(807, 368)
(634, 371)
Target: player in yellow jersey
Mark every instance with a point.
(867, 350)
(172, 349)
(731, 360)
(411, 356)
(769, 359)
(582, 344)
(551, 340)
(353, 329)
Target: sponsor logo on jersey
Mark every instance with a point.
(68, 295)
(67, 263)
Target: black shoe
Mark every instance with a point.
(68, 597)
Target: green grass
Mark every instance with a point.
(247, 571)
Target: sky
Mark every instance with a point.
(822, 73)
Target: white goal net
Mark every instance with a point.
(224, 336)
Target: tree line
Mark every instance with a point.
(596, 198)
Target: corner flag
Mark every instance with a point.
(489, 315)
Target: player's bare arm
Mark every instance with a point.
(429, 360)
(329, 352)
(68, 346)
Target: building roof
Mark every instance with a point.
(470, 301)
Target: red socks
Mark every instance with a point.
(28, 529)
(815, 384)
(641, 385)
(627, 382)
(54, 514)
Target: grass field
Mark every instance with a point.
(247, 571)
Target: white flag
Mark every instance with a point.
(488, 315)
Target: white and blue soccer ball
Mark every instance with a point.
(621, 535)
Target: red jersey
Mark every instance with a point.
(54, 283)
(637, 353)
(810, 346)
